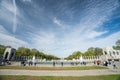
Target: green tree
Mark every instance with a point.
(117, 47)
(95, 51)
(27, 51)
(75, 55)
(91, 49)
(51, 57)
(33, 52)
(22, 51)
(88, 53)
(2, 49)
(118, 43)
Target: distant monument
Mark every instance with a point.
(33, 59)
(9, 54)
(108, 54)
(81, 58)
(111, 54)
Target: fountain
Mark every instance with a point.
(81, 58)
(33, 59)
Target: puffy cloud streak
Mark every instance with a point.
(9, 13)
(14, 19)
(8, 39)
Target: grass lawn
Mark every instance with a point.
(105, 77)
(52, 68)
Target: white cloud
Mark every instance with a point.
(93, 34)
(3, 30)
(60, 24)
(57, 22)
(8, 5)
(9, 13)
(6, 12)
(8, 39)
(26, 0)
(14, 19)
(107, 41)
(43, 40)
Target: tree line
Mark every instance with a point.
(23, 51)
(92, 51)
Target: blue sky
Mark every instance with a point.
(59, 27)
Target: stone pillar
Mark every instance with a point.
(9, 54)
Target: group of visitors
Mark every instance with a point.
(106, 63)
(97, 62)
(72, 63)
(76, 63)
(23, 63)
(54, 63)
(111, 63)
(32, 63)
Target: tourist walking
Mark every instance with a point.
(114, 65)
(62, 64)
(53, 63)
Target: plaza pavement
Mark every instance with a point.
(62, 72)
(59, 72)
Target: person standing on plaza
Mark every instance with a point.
(62, 64)
(54, 63)
(114, 65)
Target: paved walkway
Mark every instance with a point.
(59, 73)
(62, 72)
